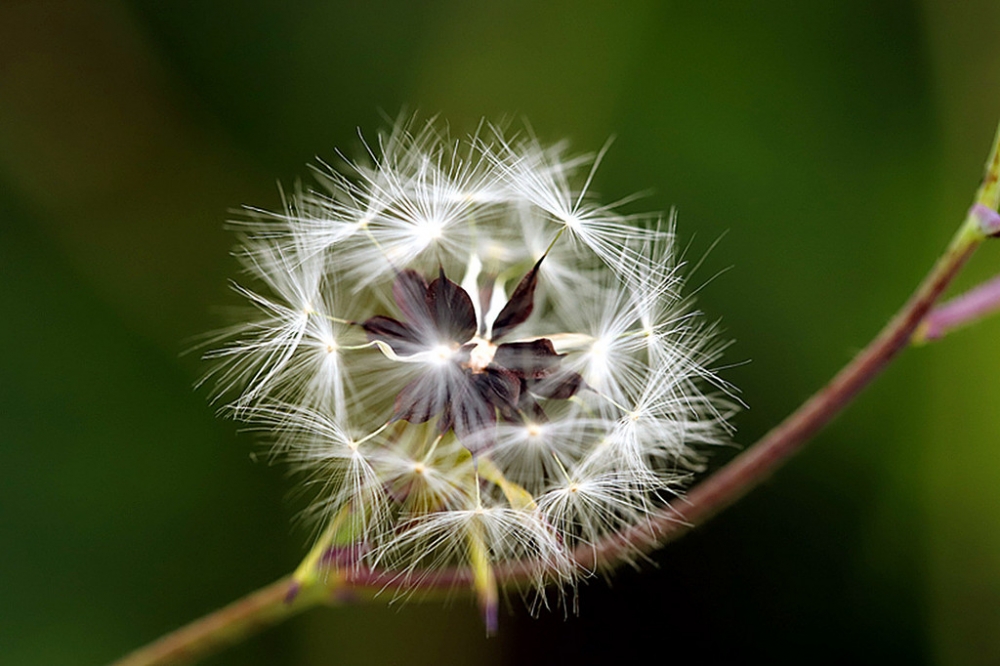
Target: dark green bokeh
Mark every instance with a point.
(834, 148)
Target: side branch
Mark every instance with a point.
(971, 306)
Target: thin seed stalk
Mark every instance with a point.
(229, 625)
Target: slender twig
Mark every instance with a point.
(750, 468)
(277, 601)
(226, 626)
(754, 465)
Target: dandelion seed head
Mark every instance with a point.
(471, 360)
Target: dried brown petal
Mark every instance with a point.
(528, 360)
(486, 284)
(520, 304)
(421, 399)
(560, 385)
(398, 335)
(452, 310)
(474, 419)
(501, 389)
(529, 406)
(410, 293)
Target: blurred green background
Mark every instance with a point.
(833, 146)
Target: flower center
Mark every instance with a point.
(442, 353)
(481, 355)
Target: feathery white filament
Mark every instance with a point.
(600, 412)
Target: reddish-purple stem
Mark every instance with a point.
(280, 599)
(228, 625)
(970, 306)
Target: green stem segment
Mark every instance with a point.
(229, 625)
(286, 597)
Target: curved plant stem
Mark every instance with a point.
(226, 626)
(754, 465)
(281, 599)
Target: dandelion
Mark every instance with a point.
(473, 362)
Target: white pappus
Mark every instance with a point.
(473, 362)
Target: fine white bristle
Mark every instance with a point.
(471, 361)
